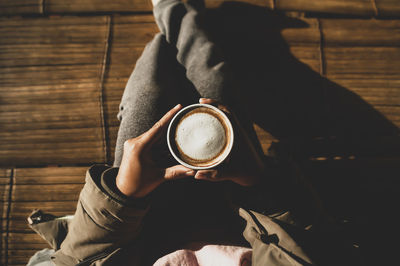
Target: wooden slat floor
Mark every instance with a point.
(322, 82)
(366, 8)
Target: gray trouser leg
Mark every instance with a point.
(157, 84)
(204, 62)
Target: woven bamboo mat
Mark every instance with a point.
(62, 77)
(53, 189)
(368, 8)
(50, 82)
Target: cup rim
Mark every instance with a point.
(185, 110)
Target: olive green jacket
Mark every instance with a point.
(107, 229)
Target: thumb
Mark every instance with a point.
(178, 171)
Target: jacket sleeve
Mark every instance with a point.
(103, 221)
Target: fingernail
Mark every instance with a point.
(177, 106)
(199, 177)
(203, 176)
(192, 172)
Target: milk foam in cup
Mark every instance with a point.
(200, 136)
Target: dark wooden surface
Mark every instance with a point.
(50, 82)
(63, 71)
(365, 8)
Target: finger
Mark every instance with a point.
(224, 108)
(160, 125)
(178, 171)
(211, 175)
(215, 103)
(207, 101)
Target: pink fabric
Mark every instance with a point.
(208, 255)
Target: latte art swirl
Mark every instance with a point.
(200, 136)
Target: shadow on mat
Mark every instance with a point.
(336, 136)
(286, 97)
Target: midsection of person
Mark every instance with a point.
(188, 213)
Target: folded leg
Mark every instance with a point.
(157, 84)
(204, 62)
(179, 65)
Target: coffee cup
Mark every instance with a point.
(200, 136)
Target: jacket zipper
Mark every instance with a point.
(89, 260)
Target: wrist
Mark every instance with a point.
(109, 186)
(133, 189)
(123, 186)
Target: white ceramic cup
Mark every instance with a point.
(215, 161)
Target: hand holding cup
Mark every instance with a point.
(138, 174)
(244, 166)
(205, 129)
